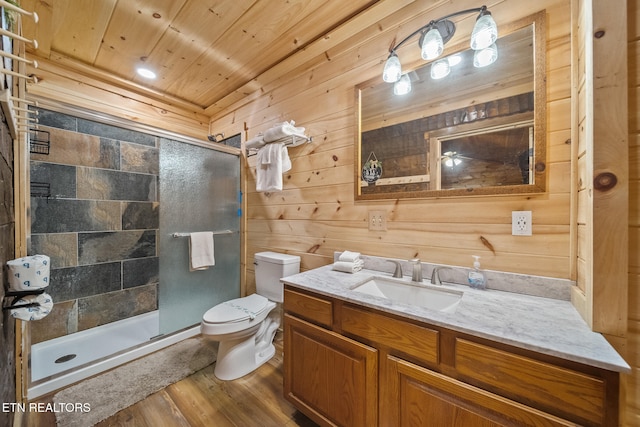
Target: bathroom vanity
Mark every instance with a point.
(353, 359)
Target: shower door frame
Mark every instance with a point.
(22, 208)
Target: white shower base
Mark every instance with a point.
(96, 350)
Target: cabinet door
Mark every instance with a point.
(330, 378)
(415, 396)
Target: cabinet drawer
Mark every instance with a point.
(564, 391)
(315, 309)
(414, 340)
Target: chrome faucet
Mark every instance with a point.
(435, 276)
(417, 271)
(398, 271)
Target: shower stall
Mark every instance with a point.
(110, 204)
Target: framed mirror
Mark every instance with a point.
(476, 131)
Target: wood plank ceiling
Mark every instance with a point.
(201, 50)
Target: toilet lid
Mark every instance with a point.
(236, 310)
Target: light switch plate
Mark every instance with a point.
(521, 223)
(377, 220)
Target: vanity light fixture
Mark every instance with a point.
(435, 34)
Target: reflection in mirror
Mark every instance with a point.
(488, 122)
(492, 158)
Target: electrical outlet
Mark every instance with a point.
(377, 220)
(521, 223)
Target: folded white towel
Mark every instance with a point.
(349, 256)
(273, 161)
(255, 142)
(201, 254)
(282, 130)
(348, 267)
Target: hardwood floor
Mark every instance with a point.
(203, 400)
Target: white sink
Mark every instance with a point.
(404, 292)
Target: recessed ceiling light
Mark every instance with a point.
(146, 73)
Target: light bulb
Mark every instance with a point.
(448, 162)
(146, 73)
(486, 56)
(485, 32)
(402, 86)
(392, 69)
(440, 69)
(432, 45)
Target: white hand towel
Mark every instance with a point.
(348, 267)
(286, 161)
(273, 161)
(349, 256)
(201, 254)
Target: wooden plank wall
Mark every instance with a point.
(316, 213)
(605, 257)
(633, 333)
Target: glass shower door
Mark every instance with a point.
(199, 191)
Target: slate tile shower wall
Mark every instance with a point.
(99, 225)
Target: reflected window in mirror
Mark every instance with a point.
(410, 134)
(493, 158)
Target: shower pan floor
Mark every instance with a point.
(61, 354)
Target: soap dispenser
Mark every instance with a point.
(477, 278)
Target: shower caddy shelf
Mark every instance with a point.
(40, 189)
(39, 141)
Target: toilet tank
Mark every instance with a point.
(270, 268)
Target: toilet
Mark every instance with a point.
(245, 327)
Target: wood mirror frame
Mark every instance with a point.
(487, 105)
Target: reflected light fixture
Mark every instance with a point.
(486, 56)
(454, 59)
(451, 159)
(435, 34)
(440, 68)
(402, 86)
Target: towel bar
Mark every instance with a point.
(176, 235)
(293, 140)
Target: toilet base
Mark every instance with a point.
(239, 357)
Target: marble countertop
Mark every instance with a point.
(545, 325)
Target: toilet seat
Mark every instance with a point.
(236, 314)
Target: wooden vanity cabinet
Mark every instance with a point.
(417, 396)
(351, 365)
(330, 378)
